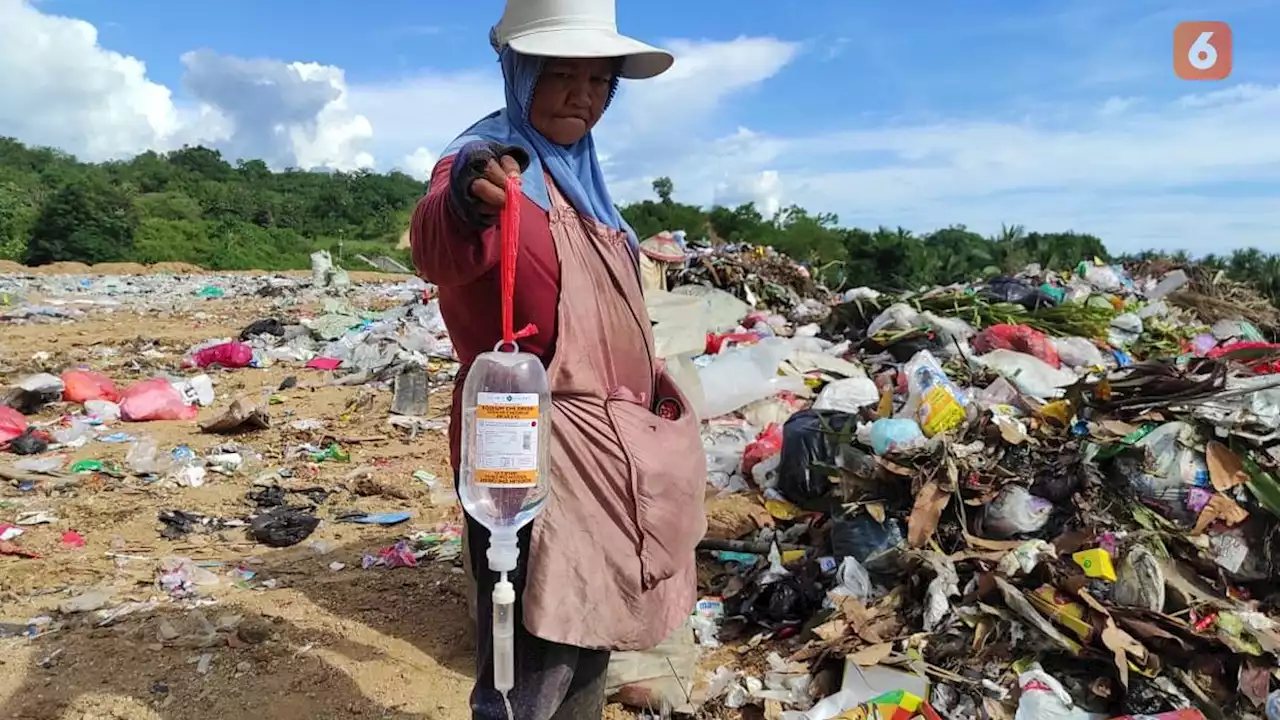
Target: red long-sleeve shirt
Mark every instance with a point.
(462, 261)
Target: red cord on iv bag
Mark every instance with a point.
(509, 227)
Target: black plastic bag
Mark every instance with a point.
(265, 326)
(788, 601)
(31, 442)
(283, 526)
(874, 544)
(809, 438)
(1010, 290)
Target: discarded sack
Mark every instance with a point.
(155, 399)
(81, 386)
(810, 437)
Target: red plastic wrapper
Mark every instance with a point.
(715, 343)
(155, 399)
(767, 444)
(1262, 358)
(227, 355)
(81, 386)
(1018, 338)
(12, 424)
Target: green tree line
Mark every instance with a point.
(193, 206)
(899, 259)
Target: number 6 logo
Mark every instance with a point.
(1202, 50)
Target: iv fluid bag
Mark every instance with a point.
(506, 440)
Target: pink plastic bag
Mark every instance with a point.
(12, 424)
(81, 386)
(155, 399)
(228, 355)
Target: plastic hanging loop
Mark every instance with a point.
(509, 227)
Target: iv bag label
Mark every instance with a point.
(506, 440)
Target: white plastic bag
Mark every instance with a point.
(1044, 698)
(743, 375)
(1104, 278)
(847, 395)
(321, 267)
(1077, 352)
(898, 316)
(1028, 373)
(852, 580)
(1125, 330)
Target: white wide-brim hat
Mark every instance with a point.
(576, 29)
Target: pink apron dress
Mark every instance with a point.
(612, 557)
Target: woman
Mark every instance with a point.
(610, 561)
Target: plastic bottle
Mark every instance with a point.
(506, 445)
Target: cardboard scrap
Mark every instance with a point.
(1226, 469)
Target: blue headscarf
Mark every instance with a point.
(575, 169)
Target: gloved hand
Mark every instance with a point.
(478, 178)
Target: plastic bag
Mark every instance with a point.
(1077, 352)
(951, 330)
(283, 526)
(898, 316)
(852, 580)
(12, 424)
(1044, 698)
(1015, 511)
(724, 445)
(1028, 373)
(936, 403)
(1019, 338)
(1106, 278)
(81, 386)
(743, 375)
(155, 399)
(1125, 330)
(874, 544)
(1015, 291)
(227, 355)
(1236, 330)
(892, 435)
(1167, 471)
(847, 395)
(766, 445)
(808, 437)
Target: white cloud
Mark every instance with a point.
(426, 111)
(59, 87)
(1137, 178)
(56, 83)
(419, 163)
(289, 114)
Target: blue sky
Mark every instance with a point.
(1054, 115)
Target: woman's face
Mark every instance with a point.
(570, 97)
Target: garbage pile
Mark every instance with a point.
(59, 298)
(755, 274)
(1044, 496)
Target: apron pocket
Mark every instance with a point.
(668, 474)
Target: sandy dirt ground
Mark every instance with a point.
(301, 638)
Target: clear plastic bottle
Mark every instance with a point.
(506, 441)
(506, 444)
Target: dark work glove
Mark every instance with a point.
(469, 166)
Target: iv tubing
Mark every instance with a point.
(503, 554)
